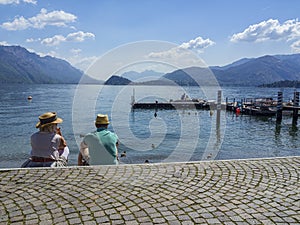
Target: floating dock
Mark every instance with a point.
(259, 106)
(173, 105)
(233, 106)
(255, 106)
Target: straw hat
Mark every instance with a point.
(48, 118)
(102, 119)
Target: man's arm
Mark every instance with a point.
(80, 159)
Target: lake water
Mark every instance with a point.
(171, 136)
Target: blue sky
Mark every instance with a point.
(220, 32)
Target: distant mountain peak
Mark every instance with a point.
(117, 80)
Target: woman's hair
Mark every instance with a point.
(49, 128)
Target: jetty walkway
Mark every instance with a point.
(256, 191)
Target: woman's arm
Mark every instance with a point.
(63, 142)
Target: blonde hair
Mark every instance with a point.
(49, 128)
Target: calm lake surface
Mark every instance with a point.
(172, 136)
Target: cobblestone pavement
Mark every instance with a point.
(258, 191)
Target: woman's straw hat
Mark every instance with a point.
(48, 118)
(102, 119)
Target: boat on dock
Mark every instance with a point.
(260, 107)
(260, 111)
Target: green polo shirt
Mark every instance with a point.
(102, 147)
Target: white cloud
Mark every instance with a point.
(7, 2)
(19, 23)
(30, 40)
(42, 54)
(197, 44)
(79, 36)
(296, 46)
(54, 18)
(75, 51)
(269, 30)
(55, 40)
(30, 1)
(4, 43)
(183, 54)
(51, 53)
(82, 63)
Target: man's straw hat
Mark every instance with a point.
(102, 119)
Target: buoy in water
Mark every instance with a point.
(29, 97)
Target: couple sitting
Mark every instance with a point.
(49, 148)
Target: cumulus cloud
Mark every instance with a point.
(54, 18)
(55, 40)
(75, 51)
(19, 23)
(30, 40)
(296, 46)
(82, 63)
(79, 36)
(4, 43)
(184, 53)
(30, 1)
(269, 30)
(7, 2)
(197, 44)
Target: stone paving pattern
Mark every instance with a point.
(258, 191)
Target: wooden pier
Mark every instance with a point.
(244, 108)
(255, 106)
(173, 105)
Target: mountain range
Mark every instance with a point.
(18, 65)
(263, 70)
(245, 72)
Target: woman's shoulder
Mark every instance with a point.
(40, 133)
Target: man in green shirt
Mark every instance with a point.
(99, 147)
